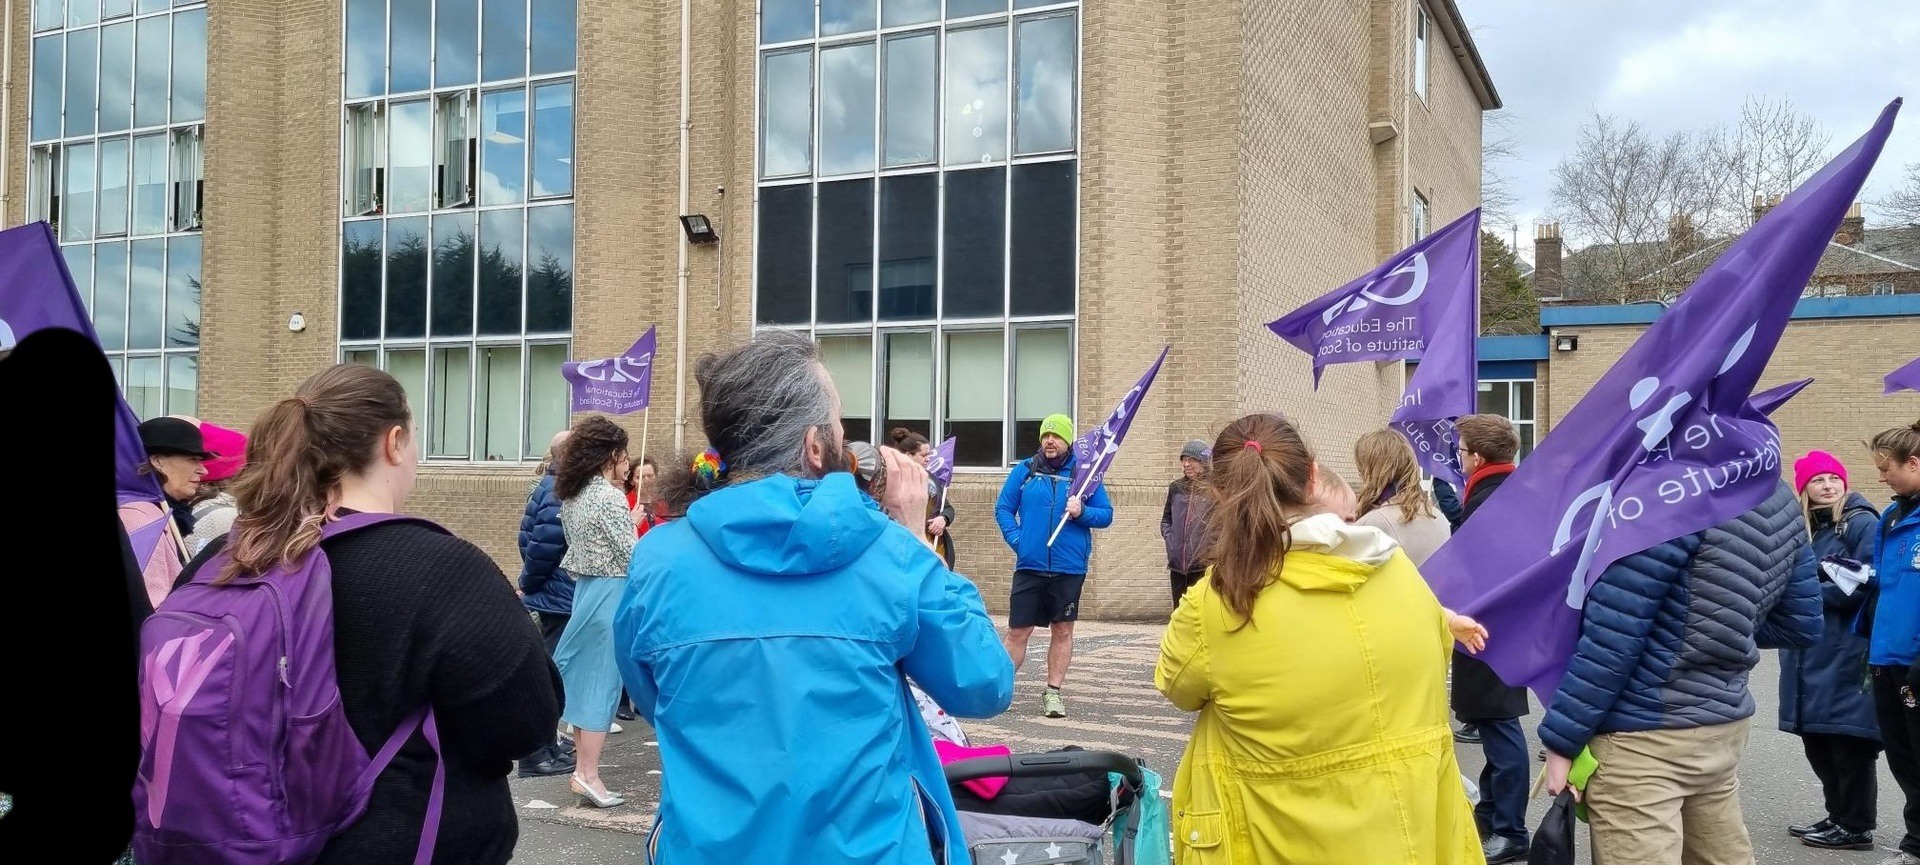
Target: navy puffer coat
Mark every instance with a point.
(1823, 688)
(544, 586)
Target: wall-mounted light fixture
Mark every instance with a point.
(1567, 342)
(699, 229)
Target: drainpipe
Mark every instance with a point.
(680, 329)
(6, 119)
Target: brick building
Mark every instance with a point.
(984, 210)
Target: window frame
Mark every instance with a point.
(1420, 70)
(1530, 440)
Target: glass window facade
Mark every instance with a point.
(118, 95)
(1513, 400)
(456, 239)
(917, 210)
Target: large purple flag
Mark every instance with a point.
(37, 292)
(1422, 304)
(940, 462)
(1904, 378)
(1664, 445)
(1093, 452)
(1767, 401)
(615, 385)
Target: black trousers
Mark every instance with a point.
(551, 627)
(1900, 732)
(1182, 581)
(1847, 769)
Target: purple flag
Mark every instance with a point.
(1904, 378)
(38, 293)
(940, 462)
(1766, 401)
(1665, 444)
(1093, 452)
(1422, 304)
(615, 385)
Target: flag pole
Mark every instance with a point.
(646, 415)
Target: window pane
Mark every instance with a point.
(553, 139)
(845, 16)
(453, 270)
(503, 147)
(786, 118)
(144, 390)
(146, 291)
(962, 8)
(43, 184)
(973, 281)
(499, 403)
(110, 295)
(82, 54)
(549, 269)
(410, 157)
(150, 184)
(1493, 398)
(48, 66)
(909, 239)
(116, 77)
(1029, 4)
(406, 277)
(500, 269)
(363, 356)
(976, 396)
(456, 42)
(186, 178)
(452, 393)
(894, 13)
(360, 259)
(1524, 391)
(115, 9)
(410, 37)
(1046, 83)
(849, 362)
(151, 45)
(1526, 431)
(113, 187)
(145, 6)
(80, 266)
(1420, 52)
(76, 202)
(366, 161)
(189, 66)
(366, 48)
(82, 12)
(555, 34)
(454, 126)
(183, 384)
(1045, 232)
(908, 385)
(547, 397)
(1042, 381)
(912, 79)
(785, 242)
(503, 52)
(183, 291)
(846, 109)
(410, 367)
(785, 20)
(976, 95)
(48, 14)
(845, 284)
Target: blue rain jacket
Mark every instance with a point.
(767, 637)
(1031, 504)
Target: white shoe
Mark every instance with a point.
(615, 728)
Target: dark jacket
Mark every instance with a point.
(1031, 505)
(1449, 502)
(1668, 636)
(1183, 525)
(1823, 688)
(544, 586)
(1479, 692)
(937, 508)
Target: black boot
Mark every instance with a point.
(1500, 849)
(1803, 831)
(547, 761)
(1838, 837)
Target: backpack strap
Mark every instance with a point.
(421, 719)
(356, 521)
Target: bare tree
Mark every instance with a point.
(1639, 203)
(1903, 206)
(1499, 150)
(1766, 153)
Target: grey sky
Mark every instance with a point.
(1689, 65)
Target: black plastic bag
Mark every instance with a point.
(1553, 841)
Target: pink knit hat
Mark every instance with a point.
(1806, 468)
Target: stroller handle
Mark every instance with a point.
(1044, 765)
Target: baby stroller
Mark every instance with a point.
(995, 836)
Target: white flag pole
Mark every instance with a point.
(646, 415)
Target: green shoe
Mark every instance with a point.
(1051, 705)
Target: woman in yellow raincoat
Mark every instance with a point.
(1317, 659)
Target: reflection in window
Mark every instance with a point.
(452, 390)
(111, 9)
(894, 13)
(48, 65)
(183, 384)
(907, 371)
(845, 16)
(116, 77)
(846, 108)
(361, 258)
(410, 367)
(454, 171)
(503, 147)
(553, 140)
(554, 39)
(974, 275)
(912, 79)
(503, 34)
(48, 14)
(110, 295)
(145, 392)
(909, 241)
(190, 66)
(80, 265)
(406, 278)
(549, 269)
(410, 27)
(976, 96)
(845, 277)
(82, 56)
(1044, 238)
(499, 403)
(547, 397)
(849, 362)
(80, 13)
(183, 291)
(150, 184)
(786, 118)
(146, 293)
(366, 46)
(410, 157)
(784, 241)
(1042, 381)
(1046, 74)
(456, 32)
(785, 20)
(151, 42)
(113, 187)
(501, 262)
(76, 204)
(975, 396)
(454, 269)
(963, 8)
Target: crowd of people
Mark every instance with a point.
(783, 607)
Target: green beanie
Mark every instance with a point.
(1058, 424)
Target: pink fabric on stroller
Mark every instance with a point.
(985, 788)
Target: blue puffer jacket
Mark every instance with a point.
(544, 586)
(1896, 566)
(1669, 635)
(1031, 504)
(1823, 688)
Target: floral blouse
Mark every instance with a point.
(599, 531)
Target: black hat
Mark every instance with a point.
(171, 435)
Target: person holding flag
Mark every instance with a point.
(1048, 577)
(939, 465)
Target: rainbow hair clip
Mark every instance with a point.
(709, 467)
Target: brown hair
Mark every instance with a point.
(1489, 435)
(1390, 475)
(297, 453)
(594, 443)
(907, 441)
(1258, 491)
(1900, 444)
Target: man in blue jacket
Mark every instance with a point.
(547, 591)
(1047, 578)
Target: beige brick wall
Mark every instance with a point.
(1443, 136)
(1846, 357)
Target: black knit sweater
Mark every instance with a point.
(419, 615)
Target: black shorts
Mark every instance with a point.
(1042, 598)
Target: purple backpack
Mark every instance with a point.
(246, 756)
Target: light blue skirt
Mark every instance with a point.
(585, 655)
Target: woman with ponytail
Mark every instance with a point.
(419, 617)
(1314, 646)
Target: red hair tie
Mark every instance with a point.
(1256, 446)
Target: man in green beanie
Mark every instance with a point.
(1047, 578)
